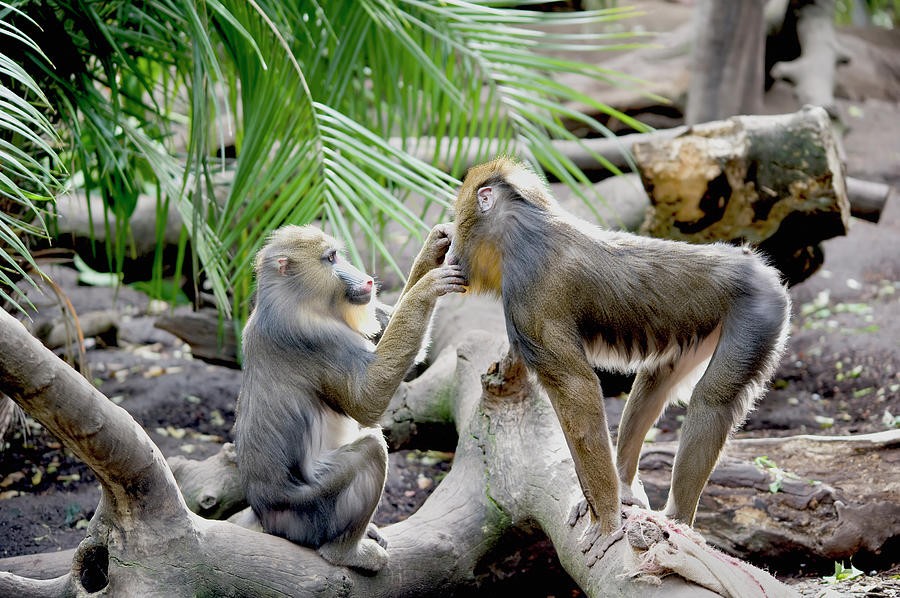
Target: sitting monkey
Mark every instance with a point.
(311, 456)
(713, 318)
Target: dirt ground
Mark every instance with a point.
(841, 375)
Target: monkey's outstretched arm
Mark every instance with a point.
(397, 349)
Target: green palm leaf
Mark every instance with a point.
(28, 164)
(324, 103)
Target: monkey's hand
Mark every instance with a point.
(443, 280)
(432, 254)
(436, 245)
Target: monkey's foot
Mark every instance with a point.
(581, 509)
(373, 533)
(598, 535)
(635, 495)
(366, 555)
(594, 542)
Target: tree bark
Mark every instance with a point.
(824, 506)
(728, 71)
(511, 471)
(775, 181)
(813, 72)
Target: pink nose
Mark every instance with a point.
(368, 285)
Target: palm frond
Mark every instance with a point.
(28, 164)
(310, 95)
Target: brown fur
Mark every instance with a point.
(577, 296)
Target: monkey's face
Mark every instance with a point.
(310, 266)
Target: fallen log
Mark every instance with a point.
(867, 199)
(511, 471)
(58, 332)
(773, 181)
(798, 500)
(211, 338)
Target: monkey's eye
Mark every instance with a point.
(331, 256)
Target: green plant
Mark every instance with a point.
(841, 573)
(28, 163)
(778, 473)
(244, 115)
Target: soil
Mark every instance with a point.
(841, 375)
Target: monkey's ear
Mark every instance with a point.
(282, 265)
(485, 198)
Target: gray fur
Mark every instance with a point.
(311, 472)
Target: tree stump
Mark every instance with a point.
(774, 181)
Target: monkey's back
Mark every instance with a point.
(627, 297)
(284, 419)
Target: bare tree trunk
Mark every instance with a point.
(728, 72)
(813, 72)
(511, 471)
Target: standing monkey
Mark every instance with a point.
(575, 295)
(311, 457)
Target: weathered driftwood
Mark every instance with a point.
(813, 72)
(211, 487)
(775, 181)
(728, 73)
(511, 470)
(834, 497)
(211, 339)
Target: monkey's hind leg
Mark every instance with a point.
(751, 341)
(358, 545)
(653, 388)
(649, 395)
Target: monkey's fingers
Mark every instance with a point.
(441, 247)
(373, 533)
(611, 539)
(443, 289)
(633, 501)
(634, 496)
(451, 282)
(589, 537)
(444, 229)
